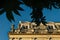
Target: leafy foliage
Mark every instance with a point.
(8, 6)
(38, 5)
(42, 3)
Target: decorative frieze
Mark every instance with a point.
(30, 31)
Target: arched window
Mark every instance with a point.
(13, 38)
(50, 38)
(26, 27)
(33, 26)
(50, 27)
(35, 38)
(20, 38)
(23, 27)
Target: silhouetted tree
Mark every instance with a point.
(37, 16)
(8, 6)
(38, 5)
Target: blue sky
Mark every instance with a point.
(5, 25)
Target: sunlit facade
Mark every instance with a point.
(30, 31)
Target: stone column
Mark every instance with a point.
(28, 26)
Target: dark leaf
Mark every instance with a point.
(2, 11)
(43, 20)
(9, 16)
(16, 12)
(19, 2)
(9, 6)
(44, 23)
(19, 8)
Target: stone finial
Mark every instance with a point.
(12, 28)
(19, 25)
(19, 21)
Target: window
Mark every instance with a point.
(34, 26)
(20, 38)
(50, 38)
(50, 27)
(35, 38)
(23, 27)
(13, 38)
(26, 27)
(58, 26)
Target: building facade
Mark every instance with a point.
(30, 31)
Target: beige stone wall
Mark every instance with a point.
(32, 37)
